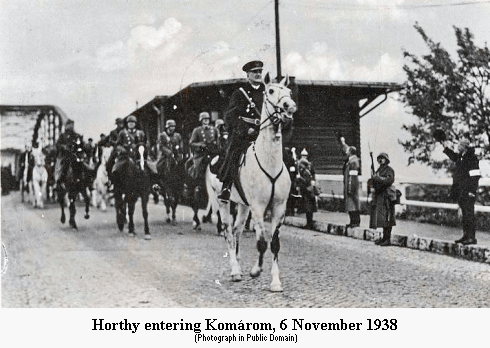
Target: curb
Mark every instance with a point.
(467, 252)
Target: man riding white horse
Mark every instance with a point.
(242, 119)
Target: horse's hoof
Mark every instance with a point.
(147, 236)
(255, 272)
(168, 220)
(132, 234)
(73, 225)
(276, 288)
(63, 219)
(236, 277)
(87, 217)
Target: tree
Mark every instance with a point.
(449, 95)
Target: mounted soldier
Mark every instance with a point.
(111, 140)
(63, 149)
(204, 144)
(170, 144)
(128, 142)
(242, 120)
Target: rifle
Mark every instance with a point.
(370, 181)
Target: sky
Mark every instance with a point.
(97, 60)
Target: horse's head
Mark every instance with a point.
(106, 153)
(39, 156)
(279, 106)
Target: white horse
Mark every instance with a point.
(39, 179)
(265, 182)
(100, 193)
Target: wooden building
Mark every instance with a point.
(324, 107)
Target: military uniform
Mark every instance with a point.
(308, 190)
(63, 149)
(240, 117)
(171, 144)
(465, 184)
(127, 145)
(351, 185)
(204, 144)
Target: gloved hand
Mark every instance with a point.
(251, 131)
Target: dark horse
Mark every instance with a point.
(171, 180)
(76, 182)
(132, 181)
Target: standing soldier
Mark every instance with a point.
(382, 207)
(351, 183)
(465, 184)
(242, 120)
(204, 144)
(306, 182)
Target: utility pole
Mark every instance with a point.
(278, 42)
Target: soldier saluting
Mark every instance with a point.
(242, 120)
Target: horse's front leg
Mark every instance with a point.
(86, 199)
(131, 206)
(61, 201)
(144, 208)
(258, 217)
(277, 219)
(73, 210)
(230, 233)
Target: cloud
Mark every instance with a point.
(387, 9)
(145, 43)
(319, 64)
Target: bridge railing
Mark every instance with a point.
(332, 187)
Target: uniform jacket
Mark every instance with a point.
(129, 141)
(351, 184)
(306, 187)
(171, 144)
(113, 136)
(382, 210)
(204, 140)
(239, 106)
(466, 174)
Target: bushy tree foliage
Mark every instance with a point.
(450, 94)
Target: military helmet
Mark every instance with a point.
(203, 115)
(170, 123)
(131, 118)
(219, 122)
(385, 156)
(119, 120)
(304, 152)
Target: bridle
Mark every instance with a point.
(278, 113)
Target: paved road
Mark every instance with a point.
(51, 265)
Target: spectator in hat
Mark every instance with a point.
(306, 182)
(382, 207)
(242, 119)
(351, 183)
(465, 184)
(204, 144)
